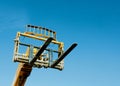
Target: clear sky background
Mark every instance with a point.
(93, 24)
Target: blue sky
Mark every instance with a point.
(93, 24)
